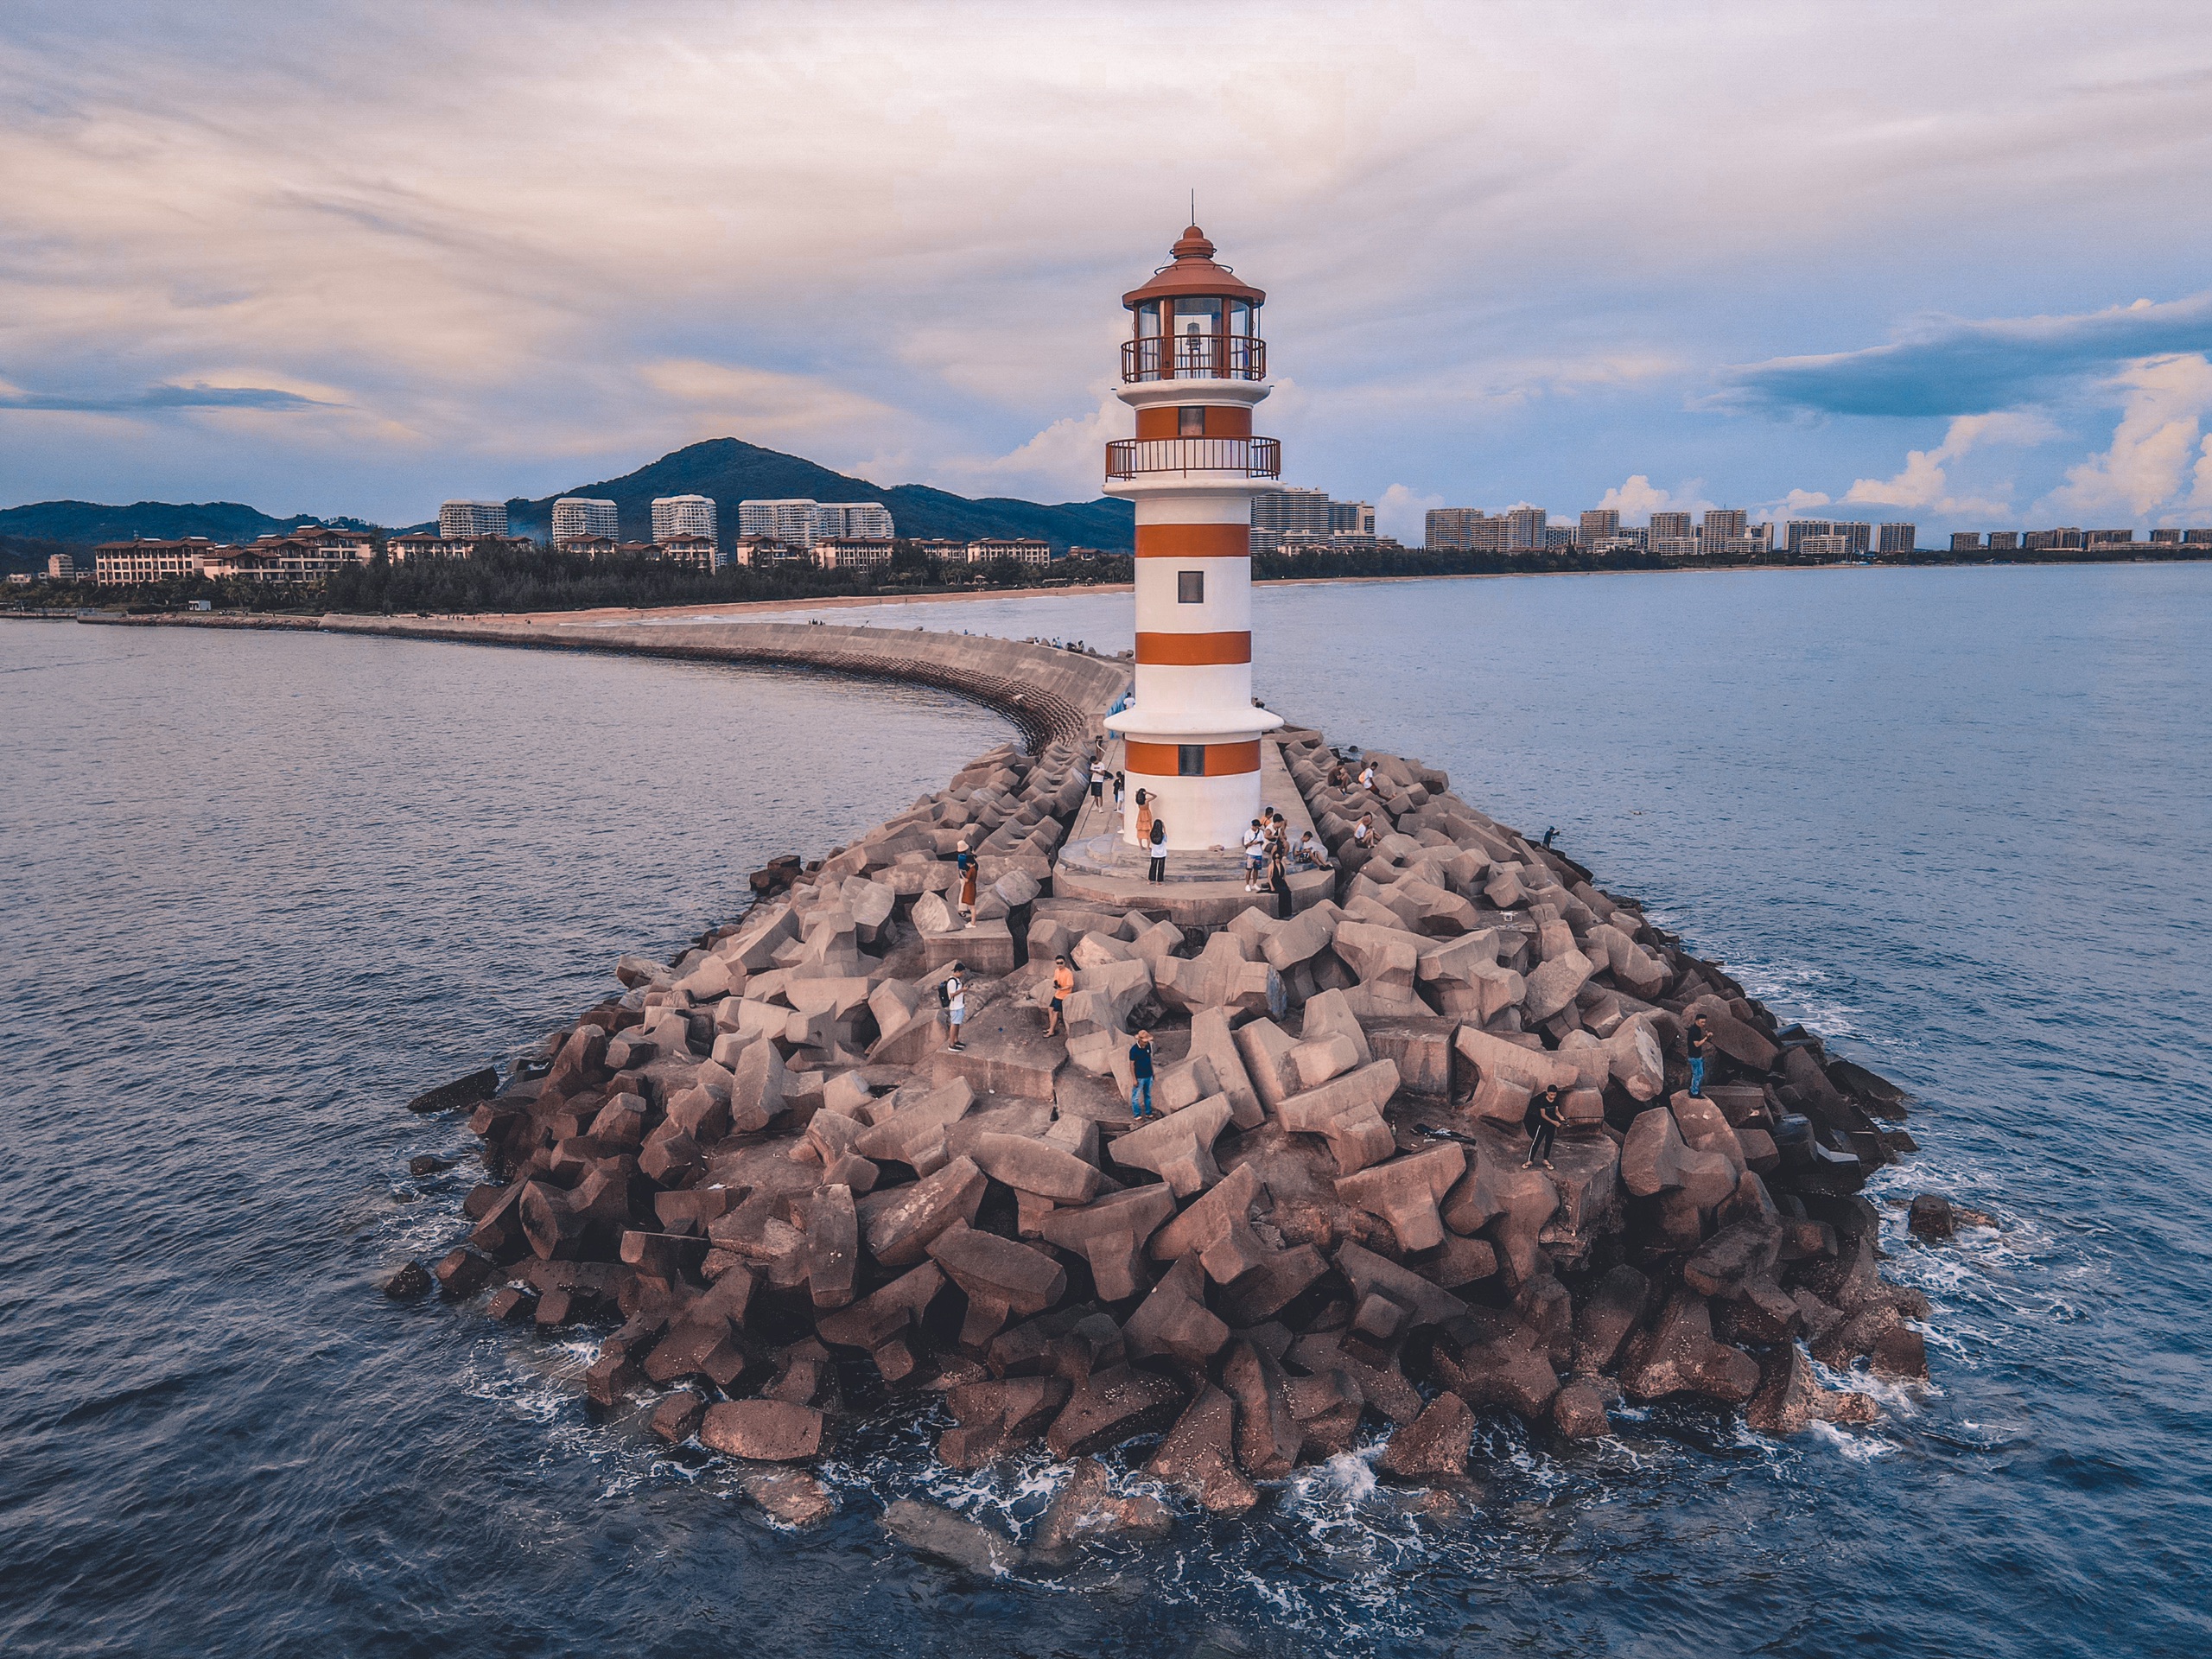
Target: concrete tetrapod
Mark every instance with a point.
(1217, 1229)
(1179, 1148)
(1111, 1235)
(1406, 1192)
(1000, 1276)
(1348, 1113)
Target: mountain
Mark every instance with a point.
(84, 524)
(731, 472)
(724, 468)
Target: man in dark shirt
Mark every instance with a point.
(1141, 1077)
(1551, 1112)
(1700, 1044)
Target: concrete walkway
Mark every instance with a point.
(1202, 889)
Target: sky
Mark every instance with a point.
(1945, 263)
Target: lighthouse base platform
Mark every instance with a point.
(1203, 888)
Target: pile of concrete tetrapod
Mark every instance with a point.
(763, 1160)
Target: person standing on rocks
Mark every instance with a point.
(1158, 843)
(1550, 1113)
(1700, 1044)
(1062, 989)
(1141, 1077)
(1279, 881)
(968, 894)
(953, 994)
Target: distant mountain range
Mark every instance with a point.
(724, 468)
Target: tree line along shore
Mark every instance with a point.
(503, 580)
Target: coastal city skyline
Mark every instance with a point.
(1629, 270)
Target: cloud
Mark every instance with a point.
(1796, 505)
(151, 399)
(2152, 447)
(1951, 365)
(1065, 461)
(765, 401)
(1925, 482)
(1401, 512)
(1638, 497)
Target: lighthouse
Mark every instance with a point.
(1193, 368)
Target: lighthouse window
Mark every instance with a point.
(1190, 759)
(1239, 317)
(1190, 423)
(1148, 320)
(1191, 587)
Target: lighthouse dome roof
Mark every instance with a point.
(1194, 272)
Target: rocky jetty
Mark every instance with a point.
(762, 1167)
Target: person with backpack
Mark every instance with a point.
(1141, 1077)
(1700, 1044)
(952, 997)
(1158, 843)
(1549, 1111)
(1062, 989)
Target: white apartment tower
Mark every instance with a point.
(683, 515)
(466, 521)
(795, 521)
(1598, 524)
(576, 516)
(1524, 529)
(854, 521)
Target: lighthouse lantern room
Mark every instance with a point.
(1193, 368)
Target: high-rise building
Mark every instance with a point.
(2097, 537)
(1191, 737)
(2003, 540)
(1560, 537)
(1837, 539)
(1966, 541)
(1723, 524)
(1351, 519)
(2196, 538)
(796, 521)
(576, 518)
(683, 515)
(854, 521)
(1897, 538)
(1669, 527)
(2066, 536)
(1293, 513)
(1524, 529)
(2166, 537)
(1598, 524)
(472, 520)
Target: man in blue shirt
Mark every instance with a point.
(1141, 1077)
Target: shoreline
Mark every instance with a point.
(953, 596)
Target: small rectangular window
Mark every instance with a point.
(1190, 759)
(1190, 423)
(1190, 587)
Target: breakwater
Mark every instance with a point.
(800, 1210)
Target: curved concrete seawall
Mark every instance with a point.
(1050, 693)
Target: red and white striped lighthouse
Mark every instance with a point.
(1193, 368)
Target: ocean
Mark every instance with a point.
(261, 889)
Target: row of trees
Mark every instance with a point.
(502, 577)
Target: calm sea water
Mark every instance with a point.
(258, 890)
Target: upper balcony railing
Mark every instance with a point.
(1195, 357)
(1247, 457)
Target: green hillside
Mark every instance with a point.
(731, 472)
(84, 524)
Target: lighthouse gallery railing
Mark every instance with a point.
(1195, 357)
(1249, 457)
